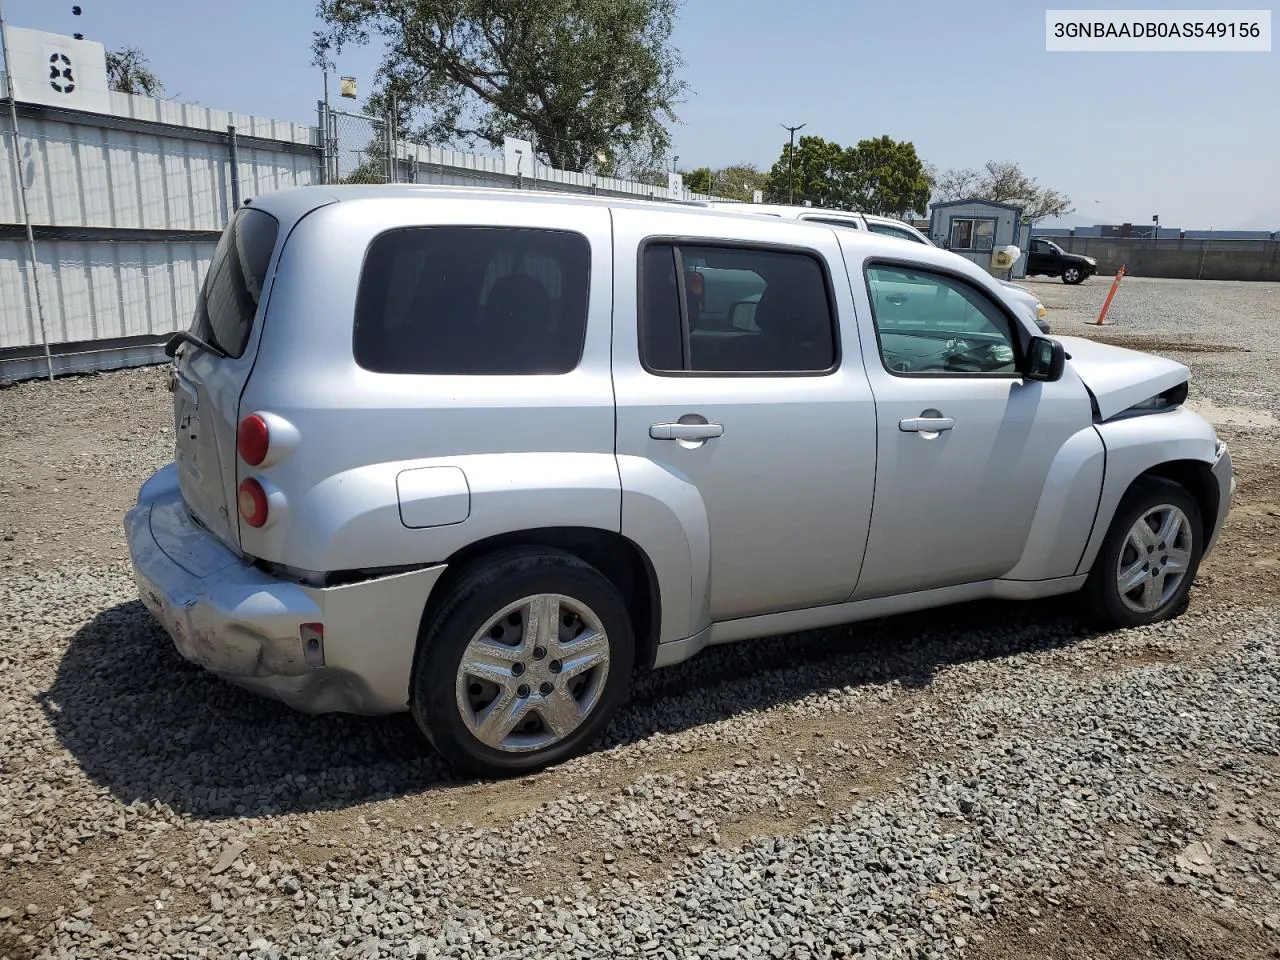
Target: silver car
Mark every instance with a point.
(477, 454)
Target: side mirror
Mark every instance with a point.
(1046, 359)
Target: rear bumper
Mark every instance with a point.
(245, 626)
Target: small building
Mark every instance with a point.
(975, 228)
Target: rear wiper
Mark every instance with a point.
(186, 336)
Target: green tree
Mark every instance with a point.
(821, 172)
(876, 176)
(577, 76)
(738, 181)
(1003, 181)
(128, 72)
(888, 177)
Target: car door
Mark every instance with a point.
(1042, 259)
(770, 419)
(964, 443)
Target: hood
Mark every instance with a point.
(1091, 261)
(1118, 377)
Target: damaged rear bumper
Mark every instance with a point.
(246, 626)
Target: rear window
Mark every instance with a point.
(229, 298)
(473, 300)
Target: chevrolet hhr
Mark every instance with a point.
(481, 454)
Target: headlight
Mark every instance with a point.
(1041, 312)
(1169, 399)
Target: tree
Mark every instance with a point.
(820, 170)
(888, 177)
(877, 176)
(128, 72)
(738, 181)
(577, 76)
(1003, 182)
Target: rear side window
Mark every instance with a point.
(888, 231)
(719, 309)
(834, 222)
(228, 300)
(473, 300)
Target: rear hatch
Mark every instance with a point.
(209, 376)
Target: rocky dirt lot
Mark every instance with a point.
(988, 781)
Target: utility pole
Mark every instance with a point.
(791, 156)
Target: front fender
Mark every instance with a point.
(663, 513)
(1134, 446)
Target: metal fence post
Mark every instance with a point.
(388, 139)
(233, 154)
(322, 134)
(22, 192)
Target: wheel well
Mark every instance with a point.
(1196, 478)
(623, 563)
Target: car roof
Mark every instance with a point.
(293, 203)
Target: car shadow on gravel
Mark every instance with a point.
(151, 727)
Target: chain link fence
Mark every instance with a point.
(358, 148)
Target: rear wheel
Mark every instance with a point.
(1072, 275)
(524, 664)
(1150, 556)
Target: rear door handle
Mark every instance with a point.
(926, 424)
(686, 431)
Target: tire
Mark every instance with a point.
(1072, 275)
(449, 707)
(1108, 604)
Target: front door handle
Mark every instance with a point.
(686, 431)
(926, 424)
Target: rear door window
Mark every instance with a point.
(228, 299)
(743, 310)
(473, 300)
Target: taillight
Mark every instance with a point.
(253, 439)
(253, 502)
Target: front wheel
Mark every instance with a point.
(524, 663)
(1072, 275)
(1150, 556)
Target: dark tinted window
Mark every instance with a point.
(834, 222)
(228, 300)
(473, 300)
(744, 310)
(888, 231)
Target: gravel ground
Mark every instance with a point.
(992, 780)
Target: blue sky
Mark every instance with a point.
(1192, 137)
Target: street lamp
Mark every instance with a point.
(791, 153)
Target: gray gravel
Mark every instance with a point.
(936, 785)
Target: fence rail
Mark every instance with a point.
(126, 208)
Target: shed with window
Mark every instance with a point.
(975, 229)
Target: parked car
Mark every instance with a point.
(1046, 258)
(874, 223)
(472, 454)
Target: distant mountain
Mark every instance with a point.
(1267, 220)
(1069, 221)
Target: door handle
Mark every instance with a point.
(686, 431)
(926, 424)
